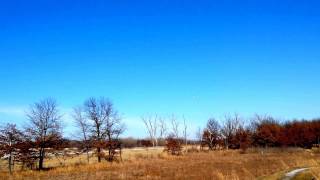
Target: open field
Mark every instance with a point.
(154, 164)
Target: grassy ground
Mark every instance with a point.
(304, 176)
(153, 164)
(127, 155)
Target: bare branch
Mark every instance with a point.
(175, 126)
(45, 125)
(151, 123)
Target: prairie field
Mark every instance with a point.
(153, 163)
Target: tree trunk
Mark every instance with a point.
(153, 142)
(9, 163)
(110, 148)
(109, 157)
(41, 158)
(99, 154)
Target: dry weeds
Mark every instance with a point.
(204, 165)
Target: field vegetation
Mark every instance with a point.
(153, 163)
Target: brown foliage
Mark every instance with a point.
(229, 130)
(211, 136)
(242, 139)
(269, 132)
(300, 133)
(173, 145)
(27, 155)
(10, 137)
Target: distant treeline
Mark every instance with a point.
(263, 131)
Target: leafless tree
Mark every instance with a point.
(162, 128)
(84, 127)
(199, 134)
(44, 125)
(185, 133)
(106, 126)
(10, 137)
(175, 126)
(151, 123)
(229, 128)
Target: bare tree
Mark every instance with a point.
(175, 126)
(185, 133)
(162, 128)
(150, 123)
(199, 134)
(44, 125)
(106, 126)
(230, 127)
(84, 127)
(10, 136)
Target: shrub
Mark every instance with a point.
(173, 146)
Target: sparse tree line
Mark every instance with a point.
(97, 120)
(169, 131)
(99, 128)
(235, 133)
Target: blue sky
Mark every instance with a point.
(193, 58)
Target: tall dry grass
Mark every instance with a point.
(202, 165)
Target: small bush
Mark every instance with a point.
(173, 146)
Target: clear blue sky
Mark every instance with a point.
(196, 58)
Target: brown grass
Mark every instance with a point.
(304, 176)
(204, 165)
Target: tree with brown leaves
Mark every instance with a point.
(10, 137)
(211, 135)
(28, 154)
(267, 131)
(242, 139)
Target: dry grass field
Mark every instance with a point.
(154, 164)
